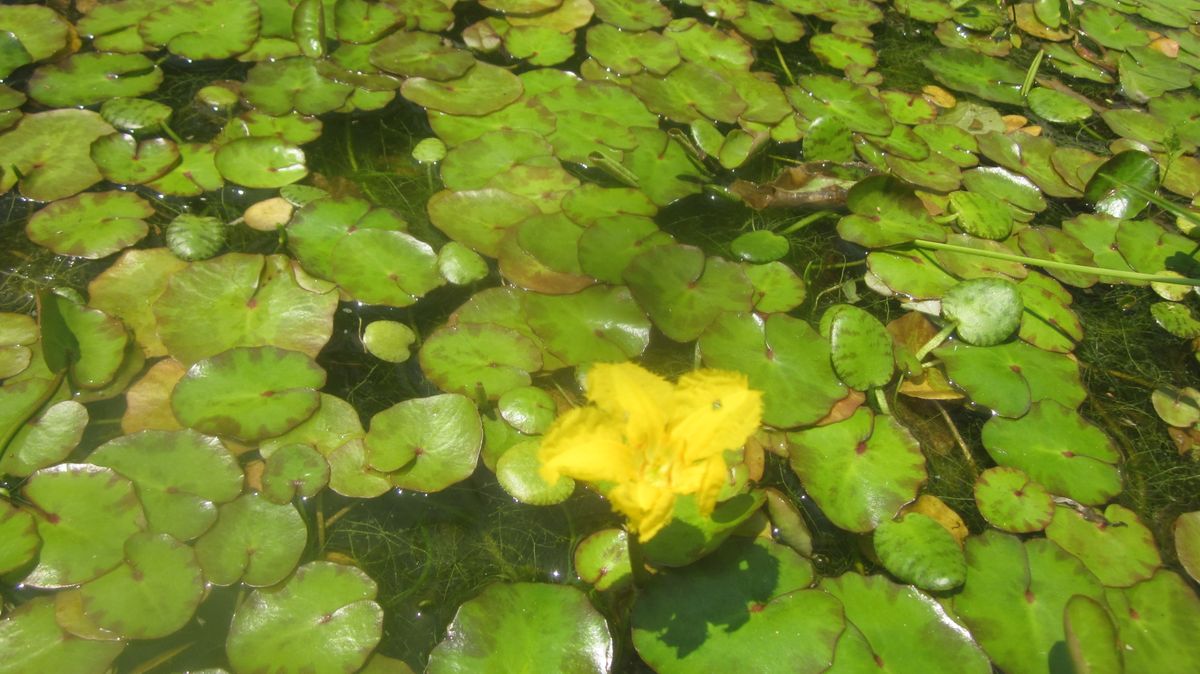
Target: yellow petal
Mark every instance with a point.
(633, 394)
(585, 444)
(713, 411)
(647, 508)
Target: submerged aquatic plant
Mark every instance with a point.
(644, 442)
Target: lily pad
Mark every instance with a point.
(884, 212)
(203, 29)
(1057, 447)
(388, 340)
(40, 31)
(45, 440)
(248, 393)
(509, 627)
(989, 78)
(128, 289)
(152, 594)
(1116, 187)
(460, 265)
(122, 159)
(1015, 595)
(1057, 106)
(195, 174)
(1187, 542)
(195, 237)
(529, 409)
(261, 162)
(293, 84)
(602, 559)
(1152, 619)
(692, 534)
(979, 215)
(760, 246)
(861, 470)
(853, 105)
(180, 477)
(682, 292)
(1010, 500)
(33, 641)
(135, 115)
(901, 627)
(379, 266)
(1008, 377)
(50, 153)
(84, 514)
(88, 78)
(479, 218)
(597, 324)
(426, 444)
(517, 472)
(97, 340)
(484, 88)
(253, 541)
(1091, 636)
(985, 311)
(777, 288)
(1118, 548)
(861, 347)
(325, 618)
(92, 225)
(783, 357)
(294, 471)
(417, 54)
(919, 550)
(19, 541)
(746, 606)
(471, 359)
(241, 300)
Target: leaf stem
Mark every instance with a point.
(1054, 264)
(935, 341)
(1031, 74)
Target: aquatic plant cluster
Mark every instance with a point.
(170, 437)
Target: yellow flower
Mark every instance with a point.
(643, 441)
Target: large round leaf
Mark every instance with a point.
(427, 444)
(479, 358)
(179, 476)
(153, 594)
(1008, 499)
(597, 324)
(84, 514)
(919, 550)
(50, 153)
(128, 288)
(1155, 621)
(1118, 186)
(861, 349)
(525, 627)
(45, 440)
(18, 538)
(261, 162)
(1014, 598)
(378, 266)
(412, 53)
(92, 225)
(121, 158)
(1118, 549)
(682, 292)
(860, 471)
(745, 607)
(1009, 377)
(203, 29)
(293, 84)
(241, 300)
(484, 88)
(249, 393)
(783, 357)
(254, 541)
(324, 619)
(32, 641)
(1060, 449)
(320, 225)
(88, 78)
(899, 629)
(985, 311)
(479, 218)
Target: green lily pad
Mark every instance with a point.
(33, 641)
(777, 288)
(661, 167)
(828, 139)
(195, 174)
(122, 159)
(1010, 500)
(241, 300)
(682, 292)
(388, 340)
(152, 594)
(460, 265)
(989, 78)
(1152, 619)
(853, 105)
(351, 476)
(322, 223)
(691, 534)
(915, 274)
(730, 610)
(633, 15)
(484, 88)
(135, 115)
(782, 357)
(45, 440)
(1111, 190)
(597, 324)
(40, 31)
(1048, 322)
(333, 424)
(473, 357)
(840, 51)
(1118, 549)
(98, 341)
(203, 29)
(91, 225)
(88, 78)
(513, 626)
(324, 618)
(474, 163)
(50, 153)
(1008, 377)
(1015, 595)
(539, 45)
(979, 215)
(417, 54)
(1031, 156)
(19, 541)
(293, 84)
(14, 359)
(294, 471)
(260, 162)
(760, 246)
(885, 213)
(363, 22)
(517, 471)
(180, 477)
(248, 393)
(1187, 542)
(860, 471)
(378, 266)
(1004, 185)
(479, 218)
(901, 627)
(426, 444)
(84, 514)
(253, 541)
(1057, 447)
(629, 53)
(688, 92)
(195, 237)
(789, 524)
(985, 311)
(861, 347)
(602, 559)
(292, 127)
(529, 409)
(1058, 107)
(128, 289)
(919, 550)
(1091, 636)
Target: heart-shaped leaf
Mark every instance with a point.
(427, 444)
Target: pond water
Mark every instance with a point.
(311, 316)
